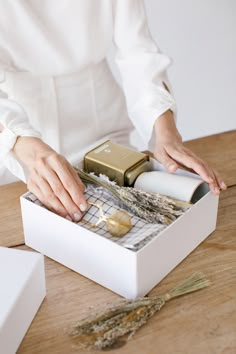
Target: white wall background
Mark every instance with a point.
(200, 37)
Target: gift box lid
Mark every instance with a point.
(22, 283)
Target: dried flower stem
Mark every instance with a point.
(107, 328)
(152, 207)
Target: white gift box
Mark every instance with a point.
(22, 291)
(127, 272)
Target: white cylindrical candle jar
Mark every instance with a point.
(176, 186)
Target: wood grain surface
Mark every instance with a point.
(11, 231)
(203, 322)
(219, 150)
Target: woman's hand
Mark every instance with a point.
(171, 152)
(51, 178)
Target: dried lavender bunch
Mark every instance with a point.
(121, 322)
(152, 207)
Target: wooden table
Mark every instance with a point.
(204, 322)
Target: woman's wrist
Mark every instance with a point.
(28, 148)
(165, 127)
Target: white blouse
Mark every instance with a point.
(51, 37)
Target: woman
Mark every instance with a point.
(59, 98)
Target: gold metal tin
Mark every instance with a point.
(119, 163)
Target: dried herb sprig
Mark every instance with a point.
(152, 207)
(121, 322)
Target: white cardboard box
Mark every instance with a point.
(22, 292)
(128, 273)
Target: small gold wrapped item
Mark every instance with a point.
(118, 223)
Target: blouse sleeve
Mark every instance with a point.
(142, 67)
(15, 123)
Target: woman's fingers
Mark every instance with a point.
(59, 188)
(187, 158)
(220, 180)
(52, 178)
(68, 189)
(44, 193)
(70, 183)
(171, 152)
(52, 187)
(174, 154)
(170, 164)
